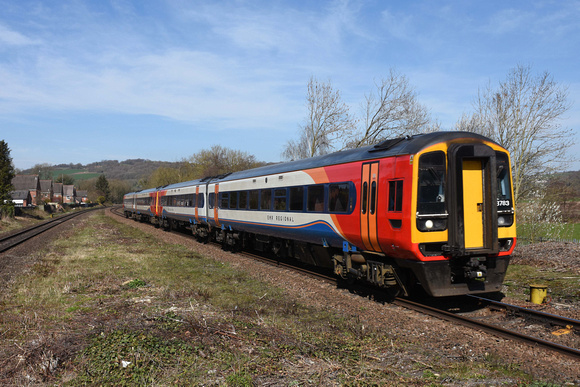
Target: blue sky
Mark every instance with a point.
(85, 81)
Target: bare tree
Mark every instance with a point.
(44, 171)
(523, 115)
(391, 111)
(219, 160)
(328, 122)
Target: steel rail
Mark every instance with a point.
(12, 240)
(488, 328)
(536, 314)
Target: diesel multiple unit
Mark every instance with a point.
(432, 210)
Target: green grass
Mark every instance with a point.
(562, 286)
(76, 174)
(119, 307)
(569, 231)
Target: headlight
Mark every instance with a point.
(505, 220)
(434, 224)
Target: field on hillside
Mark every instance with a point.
(77, 174)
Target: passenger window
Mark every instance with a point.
(254, 199)
(225, 199)
(211, 200)
(265, 199)
(233, 200)
(316, 198)
(280, 199)
(243, 203)
(396, 195)
(200, 201)
(338, 195)
(296, 198)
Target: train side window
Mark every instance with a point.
(200, 201)
(396, 195)
(316, 198)
(192, 200)
(373, 197)
(243, 201)
(233, 200)
(296, 198)
(365, 191)
(224, 199)
(254, 199)
(338, 197)
(266, 199)
(280, 199)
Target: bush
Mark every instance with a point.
(7, 211)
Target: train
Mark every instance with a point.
(431, 211)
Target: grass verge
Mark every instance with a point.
(110, 305)
(562, 285)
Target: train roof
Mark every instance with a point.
(389, 148)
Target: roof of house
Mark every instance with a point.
(57, 188)
(45, 185)
(21, 194)
(28, 182)
(82, 193)
(68, 190)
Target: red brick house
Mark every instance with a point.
(46, 190)
(29, 183)
(68, 194)
(21, 198)
(82, 197)
(57, 192)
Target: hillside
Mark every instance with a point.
(130, 171)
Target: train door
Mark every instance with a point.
(473, 185)
(216, 205)
(473, 203)
(369, 197)
(196, 204)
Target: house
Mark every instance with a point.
(57, 192)
(29, 183)
(21, 198)
(68, 194)
(46, 190)
(82, 197)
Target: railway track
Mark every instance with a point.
(471, 320)
(12, 240)
(500, 329)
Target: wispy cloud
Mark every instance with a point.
(14, 38)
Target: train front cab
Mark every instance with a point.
(464, 229)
